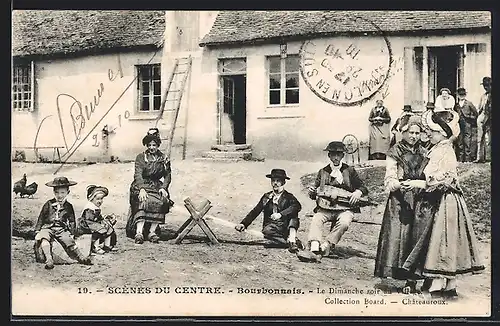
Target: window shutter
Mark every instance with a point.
(32, 80)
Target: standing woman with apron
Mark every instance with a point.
(380, 134)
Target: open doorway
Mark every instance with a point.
(232, 109)
(445, 69)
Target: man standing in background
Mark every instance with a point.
(484, 123)
(467, 140)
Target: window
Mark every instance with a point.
(478, 47)
(22, 86)
(149, 87)
(283, 80)
(232, 66)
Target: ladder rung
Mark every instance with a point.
(180, 72)
(174, 90)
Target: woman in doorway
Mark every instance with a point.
(446, 244)
(405, 161)
(379, 131)
(149, 196)
(444, 101)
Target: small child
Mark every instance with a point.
(92, 222)
(57, 222)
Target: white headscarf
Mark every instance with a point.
(453, 124)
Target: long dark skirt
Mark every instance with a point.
(396, 238)
(152, 210)
(445, 242)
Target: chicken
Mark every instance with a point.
(19, 185)
(29, 190)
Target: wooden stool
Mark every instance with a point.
(197, 213)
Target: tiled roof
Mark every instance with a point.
(250, 26)
(48, 32)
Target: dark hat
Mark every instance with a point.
(278, 174)
(461, 91)
(407, 107)
(486, 81)
(60, 182)
(437, 122)
(153, 134)
(93, 189)
(335, 146)
(430, 106)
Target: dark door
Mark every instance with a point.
(240, 111)
(447, 63)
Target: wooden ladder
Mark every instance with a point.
(173, 95)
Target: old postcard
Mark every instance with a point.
(251, 163)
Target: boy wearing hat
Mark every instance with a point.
(92, 221)
(57, 222)
(484, 121)
(281, 214)
(466, 144)
(339, 175)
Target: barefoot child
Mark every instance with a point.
(92, 222)
(57, 222)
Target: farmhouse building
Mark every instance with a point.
(284, 82)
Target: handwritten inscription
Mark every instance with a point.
(70, 109)
(106, 130)
(397, 65)
(78, 113)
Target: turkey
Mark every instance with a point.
(19, 185)
(29, 190)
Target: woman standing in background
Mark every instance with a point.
(379, 131)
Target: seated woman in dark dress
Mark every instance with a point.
(149, 196)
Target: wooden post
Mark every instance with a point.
(408, 71)
(425, 75)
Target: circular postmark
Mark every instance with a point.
(346, 70)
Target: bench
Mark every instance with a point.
(55, 153)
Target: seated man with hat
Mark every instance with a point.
(342, 181)
(281, 214)
(57, 222)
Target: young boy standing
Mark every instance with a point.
(57, 222)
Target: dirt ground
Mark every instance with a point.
(240, 260)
